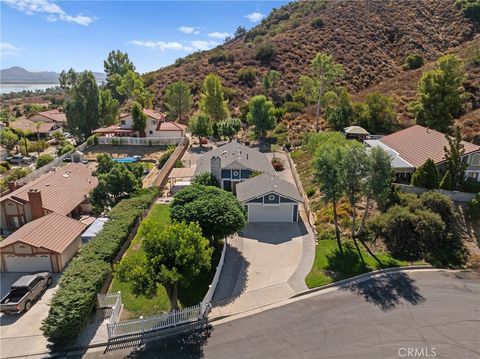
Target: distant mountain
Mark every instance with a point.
(17, 75)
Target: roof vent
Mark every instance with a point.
(66, 175)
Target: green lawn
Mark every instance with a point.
(329, 266)
(137, 306)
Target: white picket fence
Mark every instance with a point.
(117, 328)
(139, 141)
(58, 161)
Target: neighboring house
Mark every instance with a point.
(45, 244)
(156, 126)
(356, 132)
(266, 197)
(55, 116)
(44, 129)
(411, 147)
(3, 153)
(63, 191)
(233, 163)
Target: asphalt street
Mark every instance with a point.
(420, 314)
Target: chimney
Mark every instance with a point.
(215, 168)
(12, 186)
(36, 205)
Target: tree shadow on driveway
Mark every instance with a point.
(233, 280)
(386, 291)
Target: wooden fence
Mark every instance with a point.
(157, 177)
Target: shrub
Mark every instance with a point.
(218, 57)
(473, 208)
(310, 191)
(294, 107)
(6, 165)
(43, 160)
(471, 185)
(67, 148)
(317, 23)
(413, 61)
(247, 75)
(165, 156)
(278, 164)
(74, 301)
(426, 175)
(206, 179)
(470, 8)
(92, 140)
(265, 53)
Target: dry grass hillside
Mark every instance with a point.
(370, 38)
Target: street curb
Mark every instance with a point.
(337, 285)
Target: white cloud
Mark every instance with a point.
(189, 30)
(203, 45)
(218, 35)
(8, 49)
(254, 16)
(162, 45)
(52, 11)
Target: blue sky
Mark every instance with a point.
(55, 35)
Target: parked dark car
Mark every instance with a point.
(24, 292)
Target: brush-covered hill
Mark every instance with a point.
(371, 39)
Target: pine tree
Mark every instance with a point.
(212, 102)
(426, 175)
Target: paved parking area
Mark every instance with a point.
(20, 334)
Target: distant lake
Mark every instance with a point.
(7, 88)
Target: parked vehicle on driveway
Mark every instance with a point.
(15, 159)
(24, 292)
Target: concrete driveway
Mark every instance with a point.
(20, 334)
(265, 263)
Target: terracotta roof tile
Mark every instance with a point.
(416, 144)
(54, 115)
(62, 190)
(27, 125)
(53, 232)
(171, 126)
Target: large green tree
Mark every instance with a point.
(381, 113)
(116, 66)
(109, 108)
(8, 138)
(338, 109)
(172, 256)
(439, 94)
(132, 87)
(139, 118)
(212, 100)
(261, 114)
(453, 156)
(270, 83)
(324, 72)
(218, 212)
(68, 80)
(229, 127)
(83, 108)
(200, 126)
(178, 100)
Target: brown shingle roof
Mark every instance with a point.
(54, 115)
(416, 144)
(53, 232)
(62, 190)
(27, 125)
(170, 126)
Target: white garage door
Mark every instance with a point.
(28, 264)
(283, 213)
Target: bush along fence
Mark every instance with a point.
(49, 166)
(456, 196)
(157, 177)
(139, 141)
(75, 299)
(116, 328)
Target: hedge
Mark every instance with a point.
(75, 298)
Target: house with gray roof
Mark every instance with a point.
(266, 197)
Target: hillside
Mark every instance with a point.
(18, 75)
(370, 38)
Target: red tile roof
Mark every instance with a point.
(416, 144)
(170, 126)
(114, 129)
(150, 113)
(53, 232)
(62, 190)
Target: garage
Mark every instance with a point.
(267, 198)
(28, 263)
(269, 213)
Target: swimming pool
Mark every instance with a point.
(127, 159)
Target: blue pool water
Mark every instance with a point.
(127, 159)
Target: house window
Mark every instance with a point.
(150, 132)
(123, 123)
(476, 159)
(154, 122)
